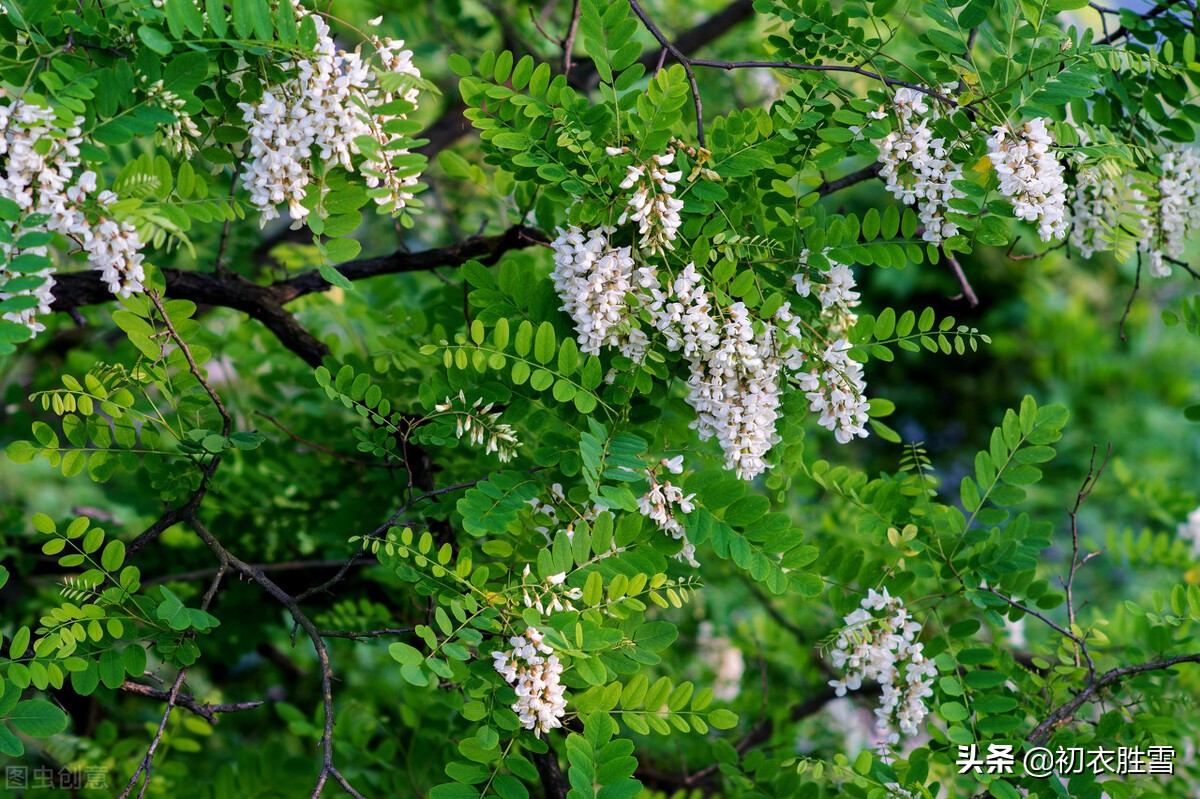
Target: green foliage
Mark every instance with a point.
(365, 544)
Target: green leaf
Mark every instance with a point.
(38, 718)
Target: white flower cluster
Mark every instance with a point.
(595, 281)
(736, 361)
(884, 648)
(551, 596)
(660, 503)
(835, 389)
(835, 291)
(917, 164)
(180, 135)
(483, 425)
(833, 383)
(1100, 199)
(1178, 211)
(1031, 176)
(724, 659)
(41, 175)
(1190, 531)
(533, 670)
(734, 388)
(323, 111)
(653, 205)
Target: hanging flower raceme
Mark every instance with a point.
(663, 500)
(595, 281)
(1031, 176)
(481, 425)
(42, 177)
(1100, 207)
(653, 205)
(917, 164)
(327, 110)
(879, 642)
(1178, 209)
(724, 659)
(534, 672)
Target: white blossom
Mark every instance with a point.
(1031, 176)
(534, 672)
(660, 504)
(1100, 204)
(321, 112)
(1178, 208)
(879, 642)
(481, 425)
(595, 281)
(1190, 531)
(918, 165)
(41, 174)
(724, 659)
(653, 204)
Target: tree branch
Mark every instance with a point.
(1067, 710)
(266, 303)
(206, 710)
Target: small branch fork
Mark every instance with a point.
(143, 769)
(1085, 490)
(687, 63)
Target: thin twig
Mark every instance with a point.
(206, 710)
(320, 447)
(967, 291)
(684, 61)
(1137, 282)
(143, 768)
(568, 42)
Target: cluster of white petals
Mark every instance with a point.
(735, 389)
(879, 642)
(533, 670)
(1190, 531)
(552, 596)
(725, 661)
(833, 288)
(917, 163)
(179, 136)
(836, 390)
(595, 281)
(653, 205)
(1031, 175)
(41, 175)
(737, 361)
(322, 111)
(833, 382)
(1100, 202)
(663, 500)
(562, 516)
(482, 425)
(1178, 211)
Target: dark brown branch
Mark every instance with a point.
(792, 65)
(206, 710)
(553, 781)
(1137, 284)
(266, 303)
(1122, 31)
(682, 59)
(1068, 710)
(227, 558)
(358, 636)
(830, 186)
